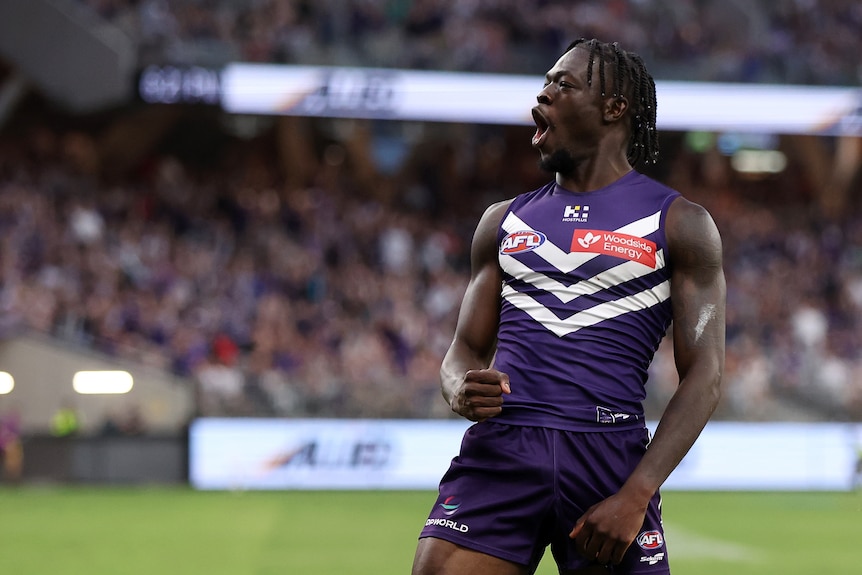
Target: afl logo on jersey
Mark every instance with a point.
(650, 540)
(520, 242)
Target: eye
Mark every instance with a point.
(561, 84)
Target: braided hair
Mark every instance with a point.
(631, 80)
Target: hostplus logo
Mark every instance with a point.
(576, 214)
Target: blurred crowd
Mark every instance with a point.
(316, 300)
(324, 280)
(795, 41)
(335, 294)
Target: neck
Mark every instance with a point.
(594, 174)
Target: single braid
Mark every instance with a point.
(602, 71)
(622, 70)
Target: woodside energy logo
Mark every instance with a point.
(615, 244)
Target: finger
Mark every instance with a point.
(578, 531)
(485, 376)
(583, 542)
(480, 409)
(491, 390)
(486, 412)
(478, 401)
(619, 553)
(606, 553)
(592, 547)
(507, 387)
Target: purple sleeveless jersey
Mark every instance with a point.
(585, 303)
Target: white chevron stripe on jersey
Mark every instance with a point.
(588, 317)
(614, 276)
(566, 261)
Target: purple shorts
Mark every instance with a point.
(515, 490)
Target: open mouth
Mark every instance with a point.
(543, 126)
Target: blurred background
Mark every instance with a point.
(308, 263)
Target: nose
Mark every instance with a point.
(543, 97)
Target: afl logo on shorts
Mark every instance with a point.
(520, 242)
(650, 540)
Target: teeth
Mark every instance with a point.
(542, 127)
(540, 131)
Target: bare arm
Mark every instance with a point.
(698, 296)
(471, 388)
(698, 299)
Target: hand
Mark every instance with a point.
(480, 394)
(606, 530)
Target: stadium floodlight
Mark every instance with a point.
(759, 161)
(102, 382)
(7, 383)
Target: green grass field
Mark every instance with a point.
(178, 531)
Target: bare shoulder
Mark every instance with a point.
(494, 214)
(485, 237)
(693, 238)
(483, 253)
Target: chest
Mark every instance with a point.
(559, 235)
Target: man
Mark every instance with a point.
(594, 267)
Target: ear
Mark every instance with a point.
(615, 108)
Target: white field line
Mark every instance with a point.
(686, 544)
